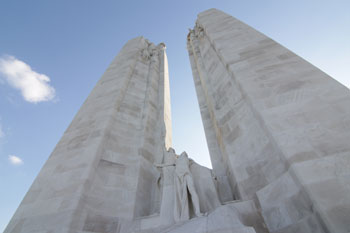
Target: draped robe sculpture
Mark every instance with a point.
(185, 194)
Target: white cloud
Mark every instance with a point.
(15, 160)
(33, 86)
(2, 134)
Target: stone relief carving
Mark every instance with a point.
(151, 52)
(197, 32)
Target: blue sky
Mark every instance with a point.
(59, 50)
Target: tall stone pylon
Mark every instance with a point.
(277, 127)
(101, 171)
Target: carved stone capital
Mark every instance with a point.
(198, 31)
(151, 52)
(161, 46)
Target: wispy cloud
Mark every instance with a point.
(33, 86)
(15, 160)
(2, 134)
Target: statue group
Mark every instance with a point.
(186, 198)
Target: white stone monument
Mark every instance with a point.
(277, 130)
(101, 172)
(277, 127)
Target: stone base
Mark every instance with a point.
(239, 216)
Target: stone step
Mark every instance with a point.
(307, 224)
(229, 218)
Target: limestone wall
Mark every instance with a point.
(277, 126)
(101, 170)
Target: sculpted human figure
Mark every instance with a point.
(145, 54)
(184, 189)
(169, 160)
(151, 51)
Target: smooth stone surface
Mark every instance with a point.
(276, 126)
(101, 172)
(224, 219)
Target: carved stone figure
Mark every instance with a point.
(151, 52)
(145, 54)
(167, 170)
(185, 189)
(185, 192)
(198, 31)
